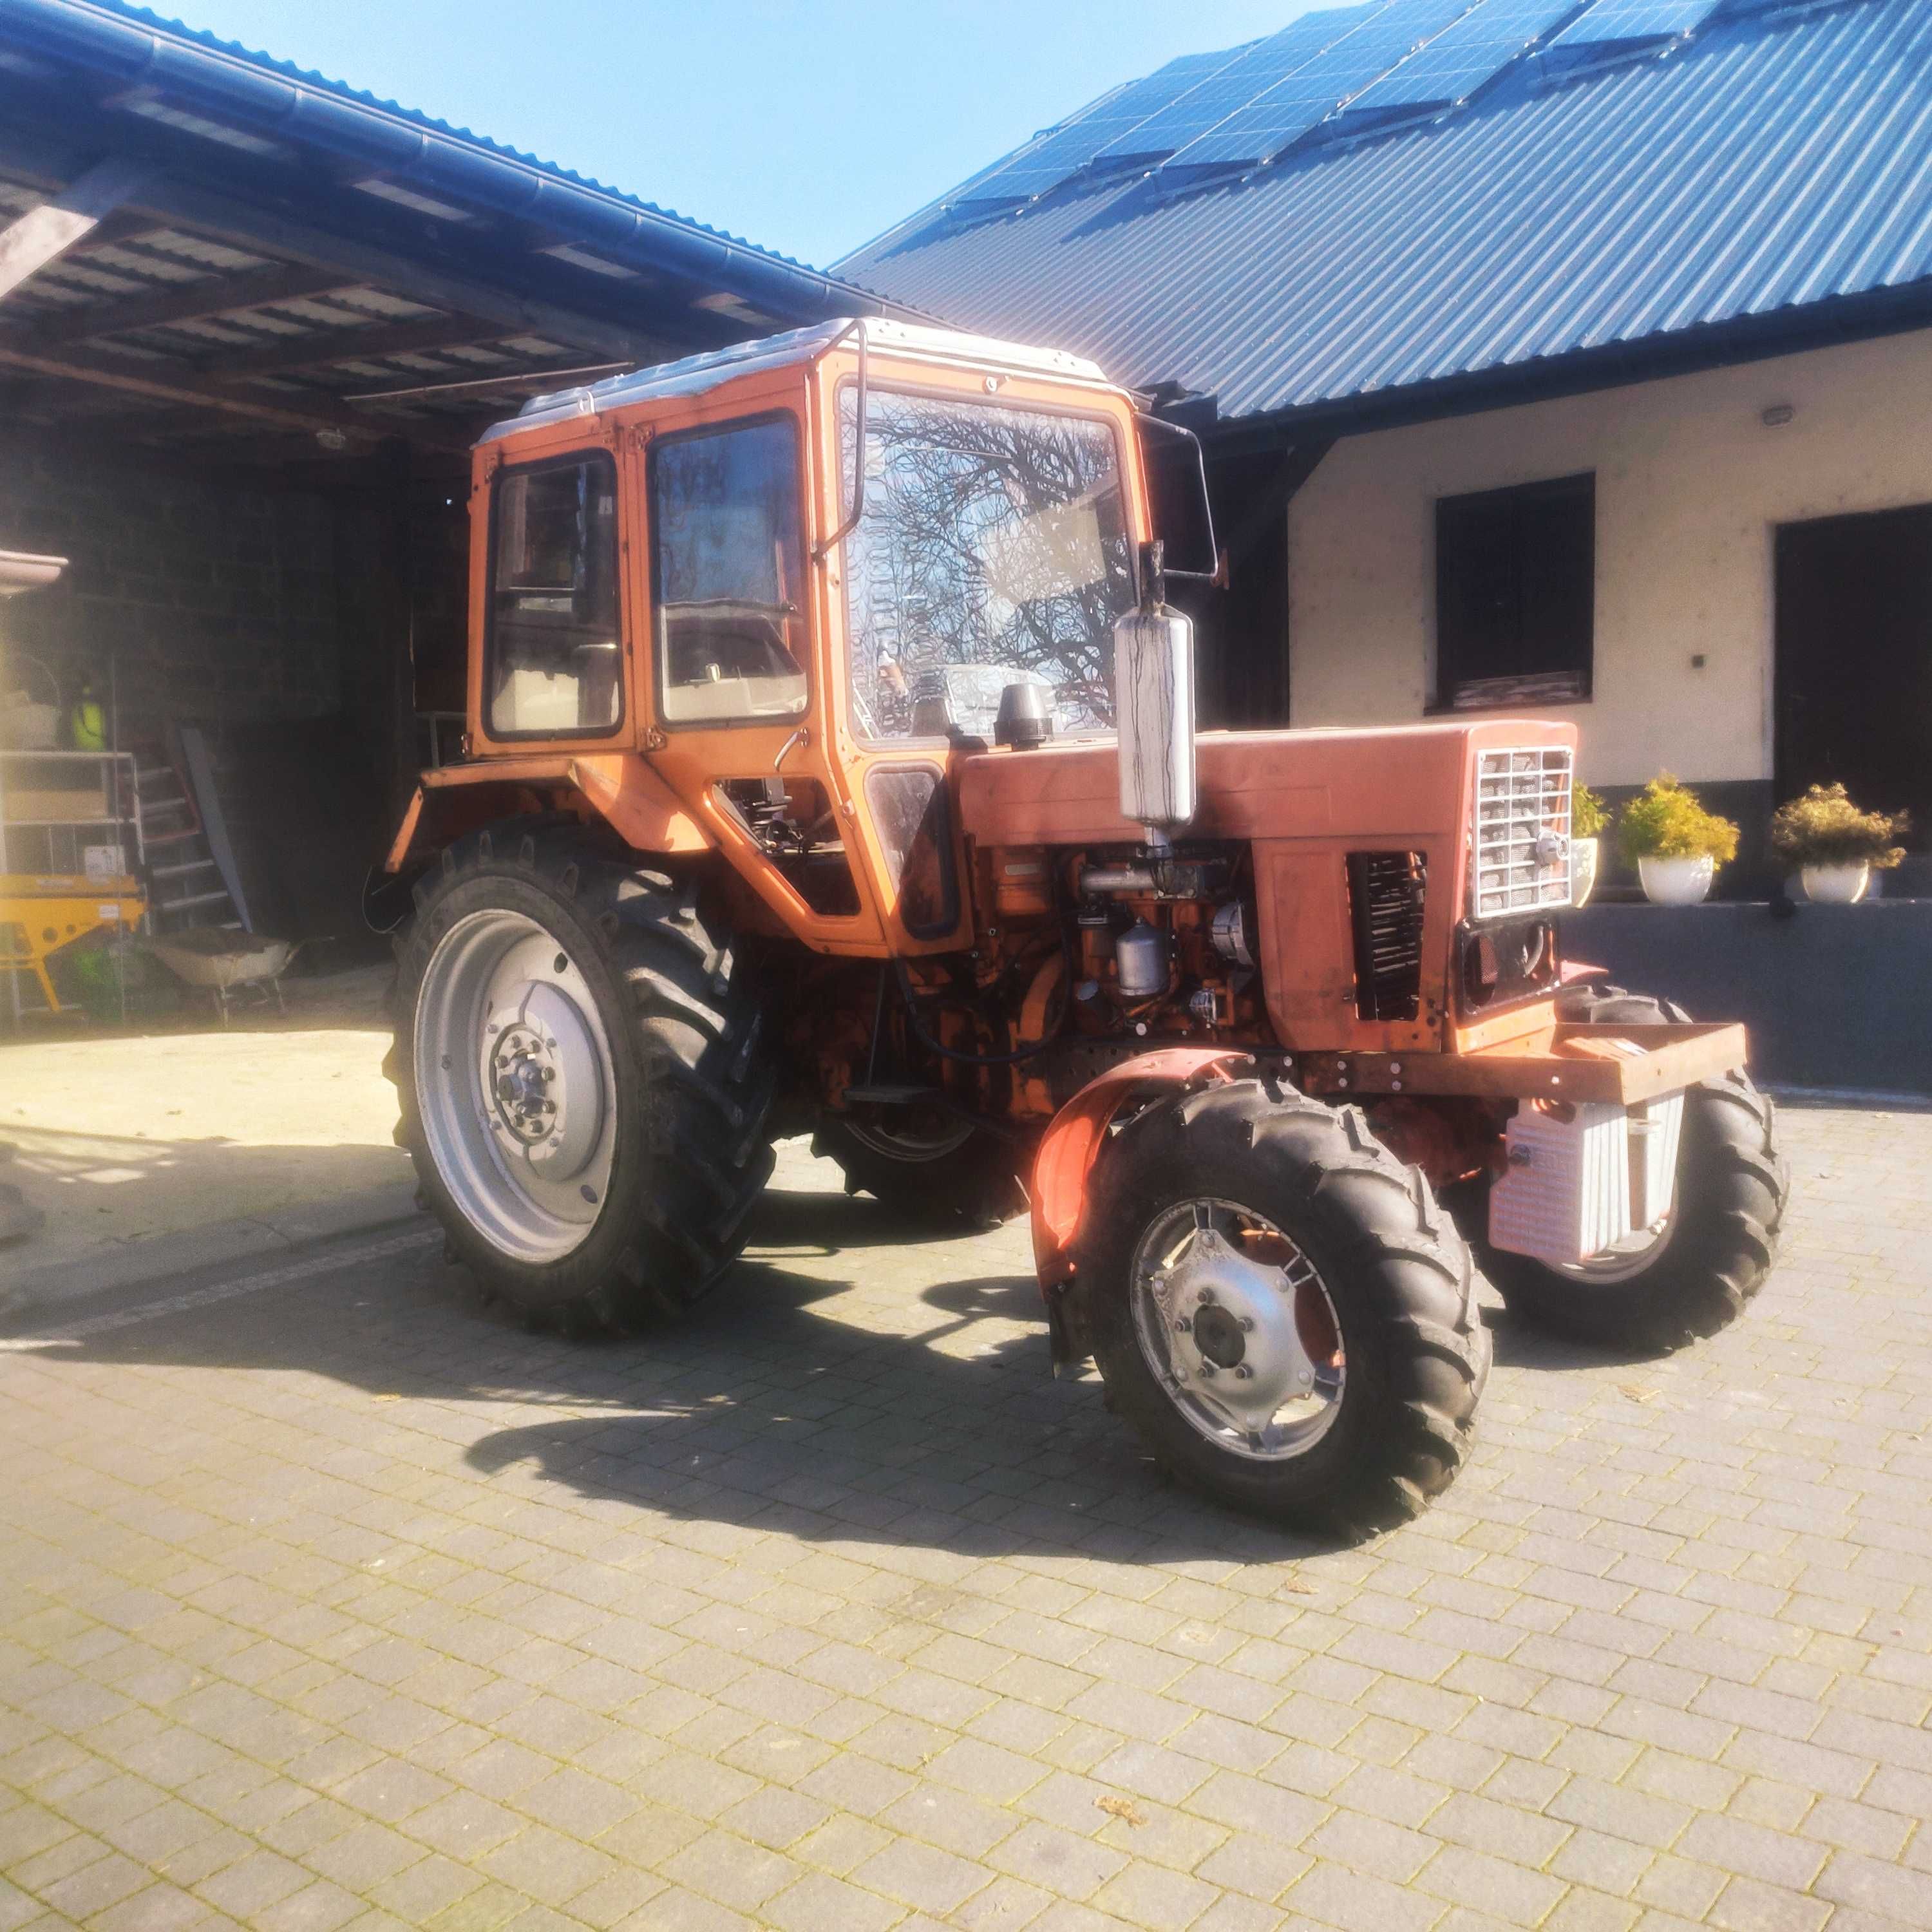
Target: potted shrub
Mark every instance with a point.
(1676, 845)
(1833, 845)
(1587, 819)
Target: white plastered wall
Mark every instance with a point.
(1690, 484)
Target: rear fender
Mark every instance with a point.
(619, 787)
(1072, 1142)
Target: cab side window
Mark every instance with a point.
(728, 573)
(555, 651)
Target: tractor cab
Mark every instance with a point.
(797, 577)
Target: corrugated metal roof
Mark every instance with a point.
(1775, 163)
(309, 77)
(276, 106)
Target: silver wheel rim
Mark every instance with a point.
(1236, 1324)
(515, 1085)
(1624, 1260)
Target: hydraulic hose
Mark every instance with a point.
(926, 1039)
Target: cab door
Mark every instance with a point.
(733, 672)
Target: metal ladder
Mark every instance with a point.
(183, 838)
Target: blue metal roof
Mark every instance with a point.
(1756, 182)
(257, 93)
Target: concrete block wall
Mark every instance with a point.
(214, 602)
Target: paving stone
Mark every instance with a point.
(833, 1610)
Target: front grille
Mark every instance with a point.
(1386, 891)
(1521, 858)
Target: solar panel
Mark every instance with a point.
(1275, 119)
(1611, 22)
(1248, 71)
(1459, 59)
(1067, 149)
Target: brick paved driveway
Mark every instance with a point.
(337, 1602)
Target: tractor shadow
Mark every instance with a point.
(951, 1434)
(1519, 1344)
(851, 1382)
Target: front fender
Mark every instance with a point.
(1072, 1142)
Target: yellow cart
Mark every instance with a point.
(40, 914)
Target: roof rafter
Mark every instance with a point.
(201, 300)
(318, 414)
(43, 234)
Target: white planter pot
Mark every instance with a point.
(1836, 885)
(1676, 881)
(1583, 855)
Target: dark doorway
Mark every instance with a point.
(1854, 666)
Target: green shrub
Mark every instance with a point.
(1587, 815)
(1666, 821)
(1825, 828)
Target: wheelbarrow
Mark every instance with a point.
(221, 961)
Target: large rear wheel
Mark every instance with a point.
(1691, 1272)
(925, 1162)
(583, 1087)
(1281, 1310)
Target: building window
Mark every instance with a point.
(1515, 595)
(555, 653)
(729, 571)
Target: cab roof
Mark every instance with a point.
(694, 375)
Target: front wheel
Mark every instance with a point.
(1281, 1310)
(1691, 1273)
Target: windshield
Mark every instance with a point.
(993, 550)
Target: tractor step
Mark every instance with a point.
(891, 1096)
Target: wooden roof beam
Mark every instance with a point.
(45, 233)
(201, 300)
(221, 219)
(312, 414)
(326, 346)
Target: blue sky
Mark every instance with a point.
(806, 128)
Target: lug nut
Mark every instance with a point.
(1183, 1326)
(1248, 1323)
(1243, 1372)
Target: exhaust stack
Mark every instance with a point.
(1154, 684)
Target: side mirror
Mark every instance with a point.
(1199, 467)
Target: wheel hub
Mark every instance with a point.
(544, 1075)
(1235, 1338)
(522, 1071)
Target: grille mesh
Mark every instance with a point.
(1522, 832)
(1386, 891)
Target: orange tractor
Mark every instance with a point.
(833, 766)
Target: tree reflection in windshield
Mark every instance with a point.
(993, 551)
